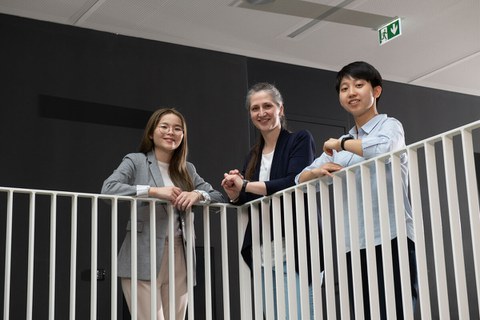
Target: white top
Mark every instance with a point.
(163, 166)
(265, 166)
(167, 182)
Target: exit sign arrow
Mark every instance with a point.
(390, 31)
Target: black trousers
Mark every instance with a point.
(381, 281)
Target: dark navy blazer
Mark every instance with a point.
(293, 152)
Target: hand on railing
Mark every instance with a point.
(187, 199)
(232, 184)
(165, 193)
(324, 170)
(182, 200)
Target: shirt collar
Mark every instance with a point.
(369, 126)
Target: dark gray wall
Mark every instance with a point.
(101, 79)
(110, 71)
(426, 112)
(74, 102)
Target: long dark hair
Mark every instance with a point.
(178, 164)
(256, 151)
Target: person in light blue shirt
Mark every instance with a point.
(359, 86)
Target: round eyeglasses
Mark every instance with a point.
(165, 128)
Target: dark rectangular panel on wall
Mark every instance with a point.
(91, 112)
(320, 130)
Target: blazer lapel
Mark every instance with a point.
(154, 170)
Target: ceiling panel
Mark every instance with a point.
(438, 47)
(461, 76)
(48, 10)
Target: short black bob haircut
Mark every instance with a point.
(359, 70)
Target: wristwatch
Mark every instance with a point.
(342, 142)
(244, 185)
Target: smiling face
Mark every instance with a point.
(264, 112)
(168, 134)
(358, 97)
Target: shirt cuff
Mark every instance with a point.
(206, 196)
(142, 190)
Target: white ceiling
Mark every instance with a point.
(439, 46)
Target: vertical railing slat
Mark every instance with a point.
(94, 257)
(244, 270)
(53, 247)
(370, 242)
(225, 268)
(267, 259)
(437, 233)
(189, 256)
(290, 251)
(171, 261)
(208, 266)
(384, 220)
(315, 254)
(256, 253)
(153, 260)
(420, 246)
(402, 235)
(327, 236)
(278, 249)
(302, 254)
(341, 248)
(455, 227)
(8, 256)
(113, 259)
(354, 243)
(473, 203)
(134, 262)
(31, 255)
(73, 255)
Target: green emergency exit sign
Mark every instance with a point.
(390, 31)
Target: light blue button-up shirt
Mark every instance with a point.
(380, 135)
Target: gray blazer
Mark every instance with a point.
(140, 169)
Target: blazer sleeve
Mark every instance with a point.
(200, 184)
(122, 180)
(298, 153)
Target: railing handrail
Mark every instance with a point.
(285, 197)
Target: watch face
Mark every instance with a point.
(342, 143)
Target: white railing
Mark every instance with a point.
(444, 195)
